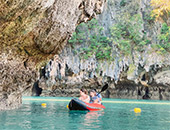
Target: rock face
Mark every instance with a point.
(146, 76)
(15, 79)
(32, 31)
(43, 26)
(64, 76)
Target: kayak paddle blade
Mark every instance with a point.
(104, 88)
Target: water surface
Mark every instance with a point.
(118, 115)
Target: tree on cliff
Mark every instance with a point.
(161, 9)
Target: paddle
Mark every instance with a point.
(103, 88)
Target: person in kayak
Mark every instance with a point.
(94, 98)
(84, 95)
(98, 95)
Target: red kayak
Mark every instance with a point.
(76, 104)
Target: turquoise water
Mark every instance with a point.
(118, 115)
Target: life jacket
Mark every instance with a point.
(92, 99)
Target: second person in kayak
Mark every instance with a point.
(94, 98)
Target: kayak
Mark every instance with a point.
(76, 104)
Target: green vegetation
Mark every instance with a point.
(150, 19)
(98, 44)
(122, 2)
(127, 34)
(79, 36)
(164, 39)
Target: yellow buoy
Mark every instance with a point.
(137, 110)
(44, 105)
(67, 106)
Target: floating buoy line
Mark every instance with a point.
(119, 102)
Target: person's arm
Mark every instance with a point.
(100, 97)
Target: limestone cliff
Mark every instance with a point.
(32, 31)
(143, 76)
